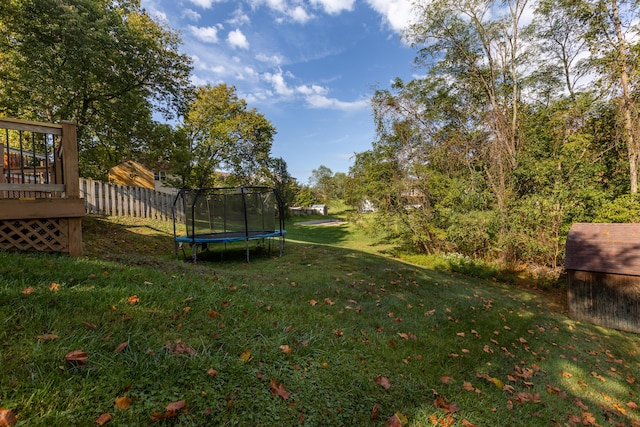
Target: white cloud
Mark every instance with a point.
(334, 7)
(239, 18)
(206, 34)
(273, 59)
(198, 81)
(291, 9)
(191, 15)
(205, 4)
(311, 90)
(321, 101)
(237, 40)
(299, 14)
(278, 83)
(397, 13)
(154, 11)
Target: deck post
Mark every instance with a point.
(69, 145)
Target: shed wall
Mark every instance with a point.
(605, 299)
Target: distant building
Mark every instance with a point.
(132, 173)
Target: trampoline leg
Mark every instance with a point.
(194, 251)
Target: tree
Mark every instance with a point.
(611, 34)
(320, 182)
(226, 136)
(477, 48)
(105, 64)
(283, 182)
(561, 46)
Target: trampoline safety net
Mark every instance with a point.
(222, 215)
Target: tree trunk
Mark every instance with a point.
(632, 147)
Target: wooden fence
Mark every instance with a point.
(102, 198)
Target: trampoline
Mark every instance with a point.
(204, 216)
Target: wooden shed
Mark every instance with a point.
(603, 272)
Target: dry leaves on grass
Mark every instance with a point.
(7, 418)
(178, 347)
(397, 420)
(77, 357)
(383, 381)
(103, 419)
(246, 355)
(172, 410)
(47, 337)
(123, 402)
(285, 349)
(278, 389)
(121, 347)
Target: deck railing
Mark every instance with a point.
(40, 204)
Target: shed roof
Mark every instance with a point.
(605, 248)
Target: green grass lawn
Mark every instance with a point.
(331, 333)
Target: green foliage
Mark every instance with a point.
(103, 64)
(226, 135)
(283, 182)
(305, 196)
(625, 208)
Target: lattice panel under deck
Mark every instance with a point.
(46, 235)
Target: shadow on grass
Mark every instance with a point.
(320, 234)
(557, 356)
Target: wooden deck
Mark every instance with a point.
(40, 204)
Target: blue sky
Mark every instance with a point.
(310, 66)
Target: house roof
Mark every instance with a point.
(131, 173)
(605, 248)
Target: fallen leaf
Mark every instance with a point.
(123, 402)
(176, 406)
(446, 379)
(246, 355)
(103, 419)
(212, 372)
(7, 418)
(466, 423)
(133, 299)
(442, 403)
(578, 402)
(27, 291)
(285, 349)
(121, 347)
(499, 384)
(278, 389)
(375, 412)
(588, 418)
(313, 302)
(54, 287)
(384, 382)
(89, 325)
(77, 357)
(468, 386)
(46, 337)
(398, 420)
